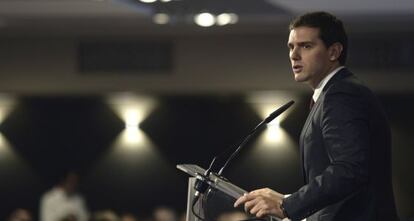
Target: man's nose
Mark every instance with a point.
(294, 55)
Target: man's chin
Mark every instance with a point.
(299, 78)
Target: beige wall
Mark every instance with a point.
(205, 63)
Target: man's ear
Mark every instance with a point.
(335, 50)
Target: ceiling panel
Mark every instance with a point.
(350, 7)
(68, 8)
(127, 16)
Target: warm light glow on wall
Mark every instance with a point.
(133, 136)
(274, 147)
(266, 103)
(273, 132)
(132, 118)
(132, 139)
(5, 149)
(2, 143)
(132, 109)
(7, 103)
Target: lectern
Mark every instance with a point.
(219, 197)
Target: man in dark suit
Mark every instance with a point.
(345, 144)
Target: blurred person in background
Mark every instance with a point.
(128, 217)
(183, 217)
(105, 215)
(164, 214)
(232, 216)
(63, 202)
(20, 215)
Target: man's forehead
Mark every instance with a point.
(303, 34)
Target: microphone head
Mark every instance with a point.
(279, 111)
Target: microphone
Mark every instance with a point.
(271, 117)
(202, 180)
(201, 184)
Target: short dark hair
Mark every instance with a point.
(331, 29)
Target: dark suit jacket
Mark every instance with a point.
(345, 148)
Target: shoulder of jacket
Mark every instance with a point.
(349, 85)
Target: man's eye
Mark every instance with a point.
(307, 46)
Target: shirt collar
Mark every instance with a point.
(318, 90)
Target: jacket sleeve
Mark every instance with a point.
(346, 139)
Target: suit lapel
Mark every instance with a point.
(305, 128)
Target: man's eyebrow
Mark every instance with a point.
(306, 43)
(290, 44)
